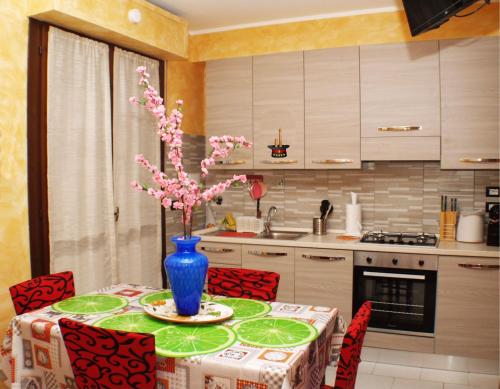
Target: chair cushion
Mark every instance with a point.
(108, 359)
(243, 283)
(42, 291)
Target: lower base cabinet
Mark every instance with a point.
(324, 277)
(272, 258)
(467, 322)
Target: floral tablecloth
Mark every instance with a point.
(33, 355)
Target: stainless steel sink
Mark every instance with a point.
(281, 235)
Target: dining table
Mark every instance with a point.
(275, 345)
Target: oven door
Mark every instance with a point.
(403, 300)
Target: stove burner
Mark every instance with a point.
(420, 239)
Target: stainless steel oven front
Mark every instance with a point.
(402, 289)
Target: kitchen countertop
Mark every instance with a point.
(330, 241)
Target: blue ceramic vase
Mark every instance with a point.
(186, 270)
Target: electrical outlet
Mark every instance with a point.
(281, 183)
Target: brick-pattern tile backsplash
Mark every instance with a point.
(395, 196)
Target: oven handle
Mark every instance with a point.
(394, 275)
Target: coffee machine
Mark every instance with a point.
(492, 237)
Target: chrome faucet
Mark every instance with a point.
(267, 223)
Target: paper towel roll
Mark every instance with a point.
(353, 219)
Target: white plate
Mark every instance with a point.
(210, 312)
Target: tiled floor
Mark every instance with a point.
(391, 369)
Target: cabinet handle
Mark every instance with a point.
(480, 160)
(400, 128)
(266, 254)
(235, 162)
(216, 250)
(478, 266)
(333, 161)
(322, 258)
(280, 162)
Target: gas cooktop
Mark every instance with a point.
(403, 238)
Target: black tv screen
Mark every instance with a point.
(424, 15)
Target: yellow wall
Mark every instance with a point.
(14, 247)
(346, 31)
(186, 80)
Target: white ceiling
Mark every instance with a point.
(219, 15)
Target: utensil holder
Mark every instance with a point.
(447, 225)
(319, 226)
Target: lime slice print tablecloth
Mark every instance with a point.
(264, 346)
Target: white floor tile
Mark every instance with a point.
(445, 362)
(401, 383)
(330, 375)
(397, 357)
(483, 381)
(446, 376)
(366, 367)
(368, 381)
(396, 371)
(370, 354)
(483, 366)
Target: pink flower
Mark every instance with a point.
(182, 192)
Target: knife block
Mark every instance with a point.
(447, 225)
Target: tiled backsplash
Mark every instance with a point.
(395, 196)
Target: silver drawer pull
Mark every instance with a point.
(266, 254)
(322, 258)
(333, 161)
(478, 266)
(400, 128)
(480, 160)
(236, 162)
(216, 250)
(280, 162)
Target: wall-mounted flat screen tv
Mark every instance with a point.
(424, 15)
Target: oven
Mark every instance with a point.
(402, 289)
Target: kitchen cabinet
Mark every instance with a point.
(228, 101)
(467, 307)
(278, 259)
(278, 103)
(222, 253)
(469, 103)
(324, 277)
(400, 99)
(332, 121)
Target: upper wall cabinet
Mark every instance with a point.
(469, 104)
(278, 104)
(400, 101)
(228, 94)
(332, 122)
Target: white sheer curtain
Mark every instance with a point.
(79, 171)
(138, 231)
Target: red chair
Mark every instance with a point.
(42, 291)
(108, 359)
(243, 283)
(350, 352)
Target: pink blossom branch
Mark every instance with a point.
(221, 146)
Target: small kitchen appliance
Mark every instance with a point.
(493, 238)
(471, 228)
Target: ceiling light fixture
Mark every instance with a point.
(134, 16)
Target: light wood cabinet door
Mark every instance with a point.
(469, 103)
(332, 121)
(278, 102)
(467, 307)
(222, 253)
(228, 106)
(272, 258)
(400, 97)
(324, 277)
